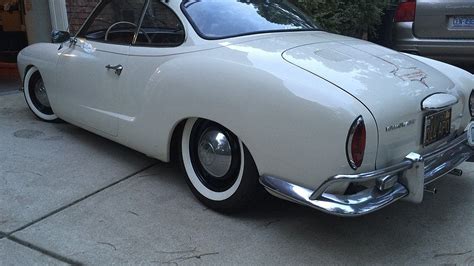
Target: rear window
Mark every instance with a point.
(218, 19)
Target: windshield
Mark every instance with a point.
(218, 19)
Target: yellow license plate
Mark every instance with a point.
(437, 126)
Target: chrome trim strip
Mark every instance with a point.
(140, 22)
(414, 173)
(87, 19)
(443, 160)
(359, 204)
(443, 149)
(359, 121)
(364, 177)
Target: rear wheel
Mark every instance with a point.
(36, 96)
(220, 170)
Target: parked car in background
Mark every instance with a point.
(248, 92)
(439, 29)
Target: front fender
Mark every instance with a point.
(42, 55)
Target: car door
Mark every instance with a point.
(160, 40)
(91, 71)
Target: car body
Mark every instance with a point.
(324, 120)
(438, 29)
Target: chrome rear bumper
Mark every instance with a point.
(406, 179)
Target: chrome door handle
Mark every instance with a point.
(118, 69)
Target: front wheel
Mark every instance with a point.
(220, 170)
(36, 97)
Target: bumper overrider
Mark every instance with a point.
(405, 180)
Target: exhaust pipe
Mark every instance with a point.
(432, 191)
(456, 172)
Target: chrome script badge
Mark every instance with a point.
(400, 125)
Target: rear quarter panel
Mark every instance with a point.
(294, 124)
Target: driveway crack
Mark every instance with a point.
(108, 244)
(185, 258)
(52, 254)
(452, 254)
(43, 251)
(79, 200)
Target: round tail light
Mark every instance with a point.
(355, 146)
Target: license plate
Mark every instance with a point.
(462, 22)
(437, 127)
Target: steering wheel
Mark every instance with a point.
(129, 23)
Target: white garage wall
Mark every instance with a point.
(38, 22)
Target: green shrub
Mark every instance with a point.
(357, 18)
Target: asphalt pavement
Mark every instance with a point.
(70, 197)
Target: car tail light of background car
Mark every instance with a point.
(355, 146)
(406, 11)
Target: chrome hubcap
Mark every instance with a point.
(40, 93)
(215, 153)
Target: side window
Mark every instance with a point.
(115, 21)
(160, 27)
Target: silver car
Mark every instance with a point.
(441, 29)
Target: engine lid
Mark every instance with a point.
(393, 86)
(379, 77)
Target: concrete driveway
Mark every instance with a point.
(70, 197)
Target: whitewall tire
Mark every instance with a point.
(219, 168)
(36, 96)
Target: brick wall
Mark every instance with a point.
(78, 11)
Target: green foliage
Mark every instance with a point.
(357, 18)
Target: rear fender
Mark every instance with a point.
(294, 124)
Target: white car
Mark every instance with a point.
(250, 93)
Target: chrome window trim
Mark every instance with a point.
(359, 121)
(140, 22)
(88, 19)
(97, 9)
(142, 18)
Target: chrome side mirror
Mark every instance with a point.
(60, 36)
